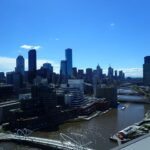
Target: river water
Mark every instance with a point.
(99, 129)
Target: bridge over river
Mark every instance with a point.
(67, 144)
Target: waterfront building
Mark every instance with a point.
(76, 83)
(68, 53)
(44, 95)
(20, 65)
(32, 66)
(74, 97)
(146, 70)
(5, 107)
(110, 93)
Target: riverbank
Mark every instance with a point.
(133, 131)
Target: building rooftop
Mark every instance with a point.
(140, 143)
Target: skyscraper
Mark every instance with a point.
(99, 71)
(116, 74)
(80, 74)
(89, 75)
(110, 72)
(32, 60)
(68, 53)
(74, 72)
(63, 71)
(63, 68)
(20, 65)
(121, 75)
(32, 65)
(146, 70)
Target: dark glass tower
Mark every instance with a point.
(32, 65)
(68, 53)
(146, 70)
(20, 65)
(63, 68)
(32, 60)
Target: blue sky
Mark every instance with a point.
(108, 32)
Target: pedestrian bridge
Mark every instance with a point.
(66, 144)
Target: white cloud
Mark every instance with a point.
(133, 72)
(8, 64)
(112, 24)
(28, 47)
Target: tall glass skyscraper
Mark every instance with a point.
(63, 68)
(32, 65)
(20, 65)
(146, 70)
(68, 53)
(32, 60)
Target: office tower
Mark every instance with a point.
(63, 71)
(46, 71)
(74, 72)
(63, 68)
(32, 60)
(99, 72)
(68, 53)
(146, 70)
(110, 72)
(9, 77)
(80, 74)
(116, 74)
(89, 75)
(20, 65)
(48, 66)
(121, 75)
(32, 65)
(2, 77)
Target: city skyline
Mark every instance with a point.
(100, 32)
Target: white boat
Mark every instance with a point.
(123, 108)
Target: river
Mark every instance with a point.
(99, 129)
